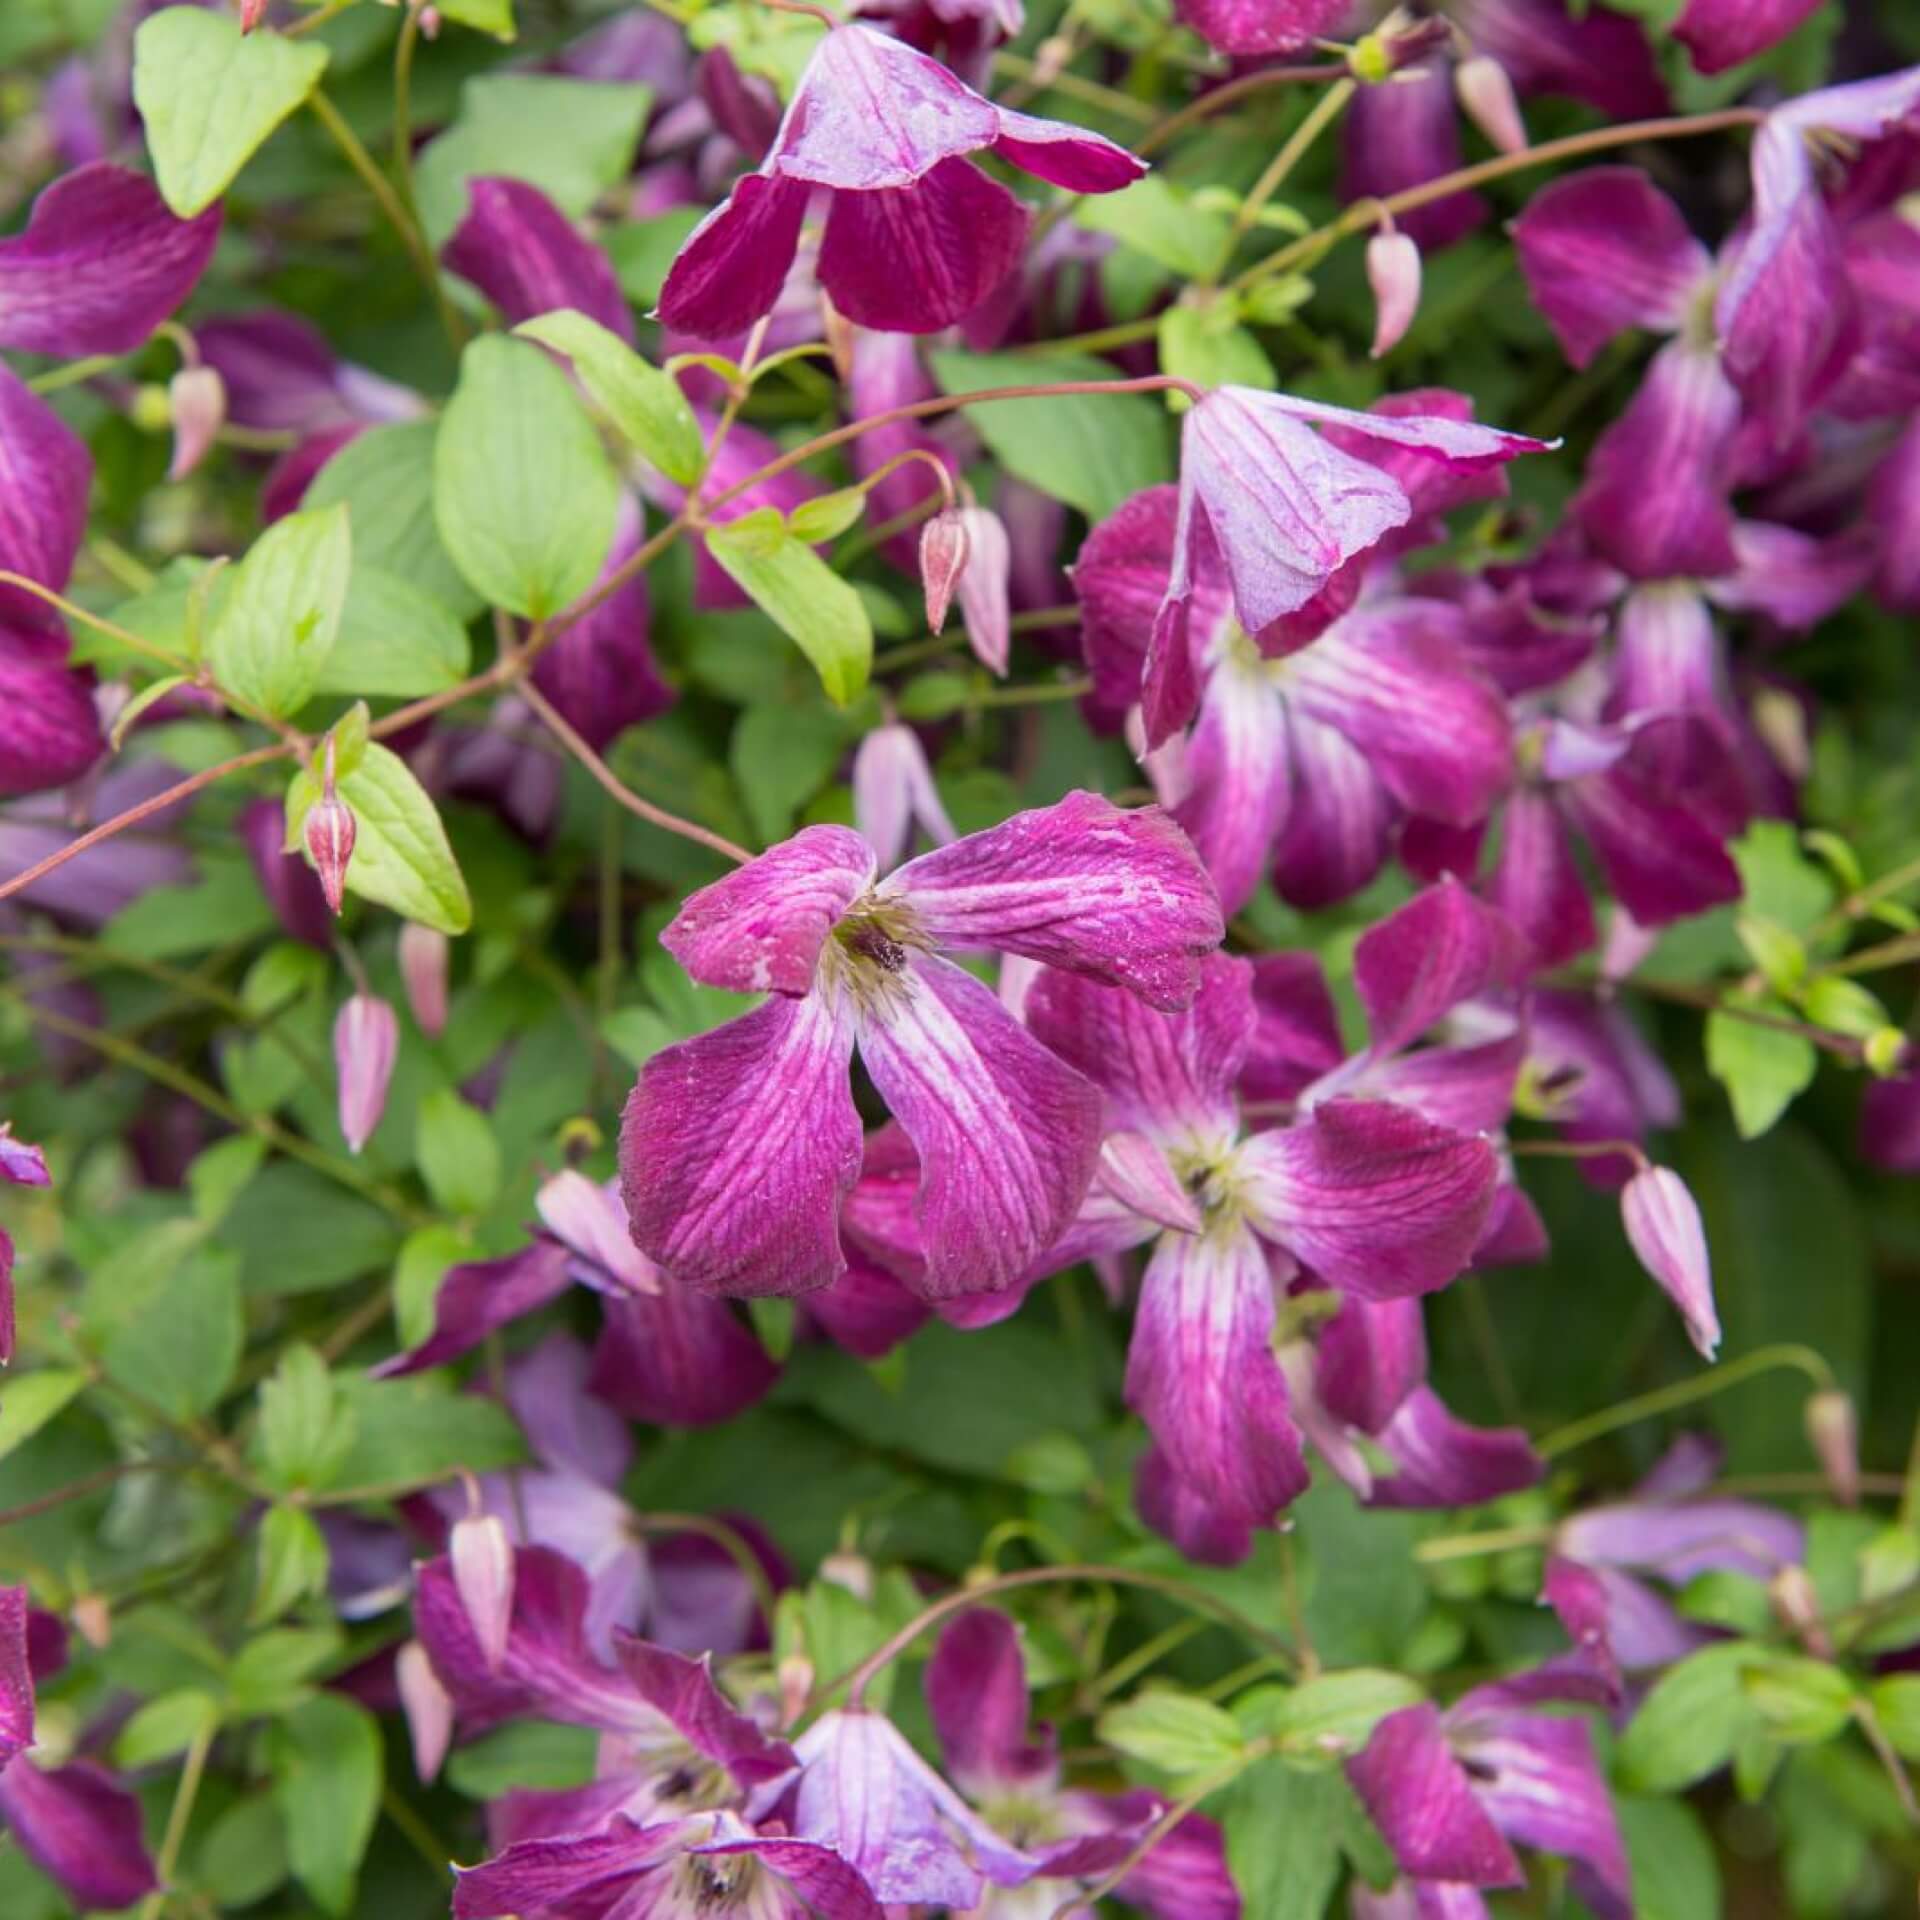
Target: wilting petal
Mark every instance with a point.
(52, 731)
(1117, 895)
(976, 1685)
(734, 263)
(1418, 964)
(1215, 1536)
(1655, 500)
(1404, 133)
(80, 1829)
(478, 1297)
(1201, 1372)
(1296, 1035)
(1235, 778)
(1368, 1358)
(1721, 33)
(1664, 1228)
(761, 928)
(45, 475)
(528, 258)
(1424, 1803)
(1604, 249)
(1370, 1196)
(737, 1147)
(1339, 824)
(1007, 1135)
(102, 262)
(678, 1359)
(1442, 1462)
(1170, 1076)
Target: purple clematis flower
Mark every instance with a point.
(1262, 26)
(1719, 34)
(738, 1145)
(1453, 1792)
(915, 236)
(21, 1165)
(528, 258)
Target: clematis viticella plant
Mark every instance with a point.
(959, 960)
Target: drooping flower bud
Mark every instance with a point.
(252, 12)
(1486, 97)
(365, 1037)
(92, 1616)
(1664, 1228)
(1833, 1431)
(893, 791)
(1796, 1604)
(1393, 272)
(330, 829)
(985, 588)
(427, 1705)
(423, 969)
(197, 399)
(943, 557)
(482, 1558)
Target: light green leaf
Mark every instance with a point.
(166, 1726)
(817, 610)
(1675, 1874)
(1286, 1832)
(401, 857)
(244, 1856)
(781, 757)
(395, 640)
(1802, 1701)
(646, 405)
(1896, 1704)
(457, 1154)
(1208, 346)
(1330, 1717)
(301, 1436)
(178, 1346)
(1762, 1068)
(573, 139)
(1687, 1726)
(425, 1255)
(32, 1399)
(523, 493)
(526, 1753)
(292, 1562)
(271, 1671)
(279, 616)
(209, 96)
(485, 16)
(409, 1433)
(1177, 1734)
(220, 1173)
(327, 1763)
(1155, 217)
(1091, 450)
(828, 516)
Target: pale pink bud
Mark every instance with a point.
(1626, 945)
(252, 12)
(430, 22)
(482, 1557)
(330, 830)
(943, 555)
(794, 1676)
(365, 1037)
(893, 791)
(1796, 1603)
(92, 1616)
(1833, 1431)
(427, 1705)
(423, 969)
(1665, 1231)
(1486, 97)
(197, 399)
(986, 607)
(1393, 272)
(851, 1571)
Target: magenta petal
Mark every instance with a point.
(825, 1882)
(1371, 1197)
(867, 1310)
(1721, 33)
(480, 1296)
(1170, 1076)
(1664, 1228)
(1680, 1540)
(1581, 1599)
(1423, 1800)
(1120, 578)
(1201, 1372)
(1404, 133)
(1603, 250)
(102, 262)
(1369, 1357)
(916, 258)
(1296, 1036)
(16, 1675)
(976, 1686)
(734, 263)
(80, 1828)
(1136, 1173)
(1442, 1462)
(1235, 779)
(1007, 1135)
(1660, 857)
(1261, 26)
(1442, 947)
(45, 475)
(1466, 1088)
(1117, 895)
(528, 258)
(737, 1147)
(532, 1875)
(678, 1359)
(1213, 1535)
(1591, 53)
(1339, 824)
(1890, 1123)
(762, 927)
(1537, 883)
(1065, 156)
(684, 1693)
(52, 732)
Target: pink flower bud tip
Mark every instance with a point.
(1665, 1231)
(427, 1706)
(1393, 272)
(197, 400)
(423, 968)
(943, 557)
(482, 1557)
(1833, 1431)
(1486, 97)
(252, 12)
(365, 1037)
(330, 832)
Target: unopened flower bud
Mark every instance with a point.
(252, 12)
(943, 554)
(1664, 1228)
(482, 1557)
(795, 1677)
(430, 22)
(1486, 97)
(427, 1705)
(423, 969)
(197, 399)
(1393, 272)
(893, 791)
(1797, 1606)
(852, 1571)
(92, 1615)
(1884, 1050)
(365, 1036)
(330, 829)
(985, 588)
(1833, 1431)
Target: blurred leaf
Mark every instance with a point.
(32, 1399)
(1287, 1832)
(1675, 1873)
(166, 1726)
(270, 1673)
(835, 1629)
(817, 610)
(781, 757)
(1330, 1716)
(244, 1855)
(454, 1147)
(1686, 1727)
(291, 1563)
(1155, 217)
(296, 1230)
(484, 16)
(1762, 1068)
(300, 1435)
(277, 622)
(395, 640)
(178, 1345)
(643, 250)
(327, 1765)
(646, 405)
(1360, 1589)
(1177, 1734)
(528, 1753)
(1208, 346)
(409, 1433)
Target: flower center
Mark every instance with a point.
(872, 943)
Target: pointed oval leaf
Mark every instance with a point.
(818, 611)
(645, 404)
(280, 614)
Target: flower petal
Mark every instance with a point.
(1065, 156)
(1339, 824)
(1418, 964)
(737, 1147)
(1442, 1462)
(528, 258)
(1666, 1233)
(1261, 26)
(52, 733)
(1424, 1803)
(734, 263)
(1235, 778)
(1214, 1536)
(1402, 134)
(826, 1883)
(82, 1829)
(976, 1685)
(45, 476)
(678, 1359)
(1719, 34)
(1536, 883)
(1296, 1036)
(867, 1311)
(480, 1296)
(1368, 1358)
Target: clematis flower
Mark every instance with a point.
(291, 886)
(1262, 26)
(738, 1145)
(1453, 1792)
(1719, 34)
(915, 237)
(528, 258)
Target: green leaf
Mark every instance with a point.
(523, 493)
(836, 1629)
(817, 610)
(573, 139)
(1286, 1832)
(279, 617)
(827, 516)
(528, 1753)
(1687, 1726)
(209, 96)
(1675, 1873)
(1896, 1705)
(646, 405)
(457, 1154)
(1801, 1701)
(934, 696)
(1762, 1069)
(401, 856)
(32, 1399)
(1091, 450)
(409, 1433)
(1208, 346)
(642, 251)
(395, 641)
(244, 1856)
(178, 1345)
(1051, 1463)
(301, 1436)
(385, 476)
(425, 1255)
(327, 1763)
(221, 1173)
(166, 1726)
(781, 757)
(1330, 1717)
(1178, 1734)
(484, 16)
(271, 1672)
(292, 1563)
(1155, 217)
(1361, 1591)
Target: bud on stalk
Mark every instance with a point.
(1393, 272)
(365, 1037)
(943, 557)
(427, 1706)
(197, 400)
(423, 968)
(1833, 1431)
(1664, 1227)
(1486, 97)
(330, 830)
(482, 1557)
(252, 12)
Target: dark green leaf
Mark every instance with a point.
(327, 1765)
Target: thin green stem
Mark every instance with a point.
(123, 636)
(1325, 111)
(1075, 86)
(1470, 1546)
(1125, 334)
(73, 373)
(1857, 904)
(1132, 1665)
(1898, 952)
(192, 1770)
(402, 148)
(1034, 696)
